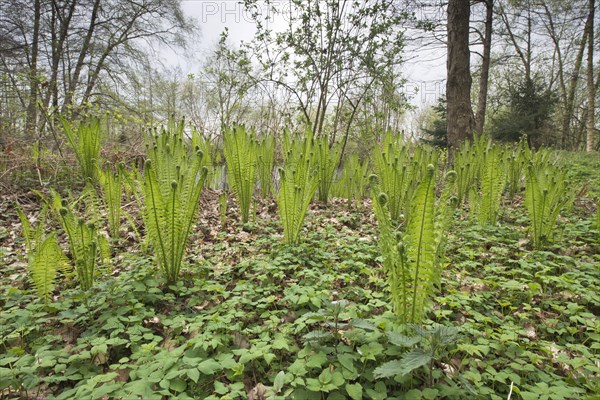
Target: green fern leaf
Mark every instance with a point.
(44, 262)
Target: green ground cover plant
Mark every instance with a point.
(85, 140)
(249, 317)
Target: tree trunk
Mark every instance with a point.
(570, 97)
(590, 82)
(485, 67)
(74, 81)
(31, 123)
(458, 84)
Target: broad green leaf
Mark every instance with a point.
(354, 390)
(409, 362)
(400, 340)
(278, 381)
(209, 367)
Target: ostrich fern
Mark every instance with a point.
(547, 192)
(85, 142)
(391, 163)
(353, 180)
(265, 160)
(486, 202)
(172, 182)
(297, 185)
(327, 159)
(44, 255)
(111, 184)
(413, 259)
(87, 246)
(241, 157)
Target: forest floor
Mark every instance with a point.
(254, 318)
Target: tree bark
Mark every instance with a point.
(458, 84)
(31, 122)
(590, 82)
(570, 97)
(485, 67)
(74, 81)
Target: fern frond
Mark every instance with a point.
(297, 186)
(241, 157)
(492, 183)
(420, 239)
(44, 262)
(173, 179)
(546, 194)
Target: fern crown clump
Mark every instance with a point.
(327, 159)
(486, 202)
(400, 167)
(413, 259)
(45, 258)
(241, 156)
(111, 185)
(297, 184)
(546, 193)
(86, 244)
(85, 142)
(173, 179)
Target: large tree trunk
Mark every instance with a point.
(31, 122)
(458, 84)
(590, 82)
(570, 95)
(74, 80)
(485, 67)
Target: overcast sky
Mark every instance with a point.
(425, 71)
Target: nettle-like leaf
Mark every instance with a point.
(409, 362)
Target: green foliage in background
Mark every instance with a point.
(173, 179)
(486, 202)
(297, 184)
(265, 148)
(111, 185)
(85, 142)
(327, 159)
(241, 156)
